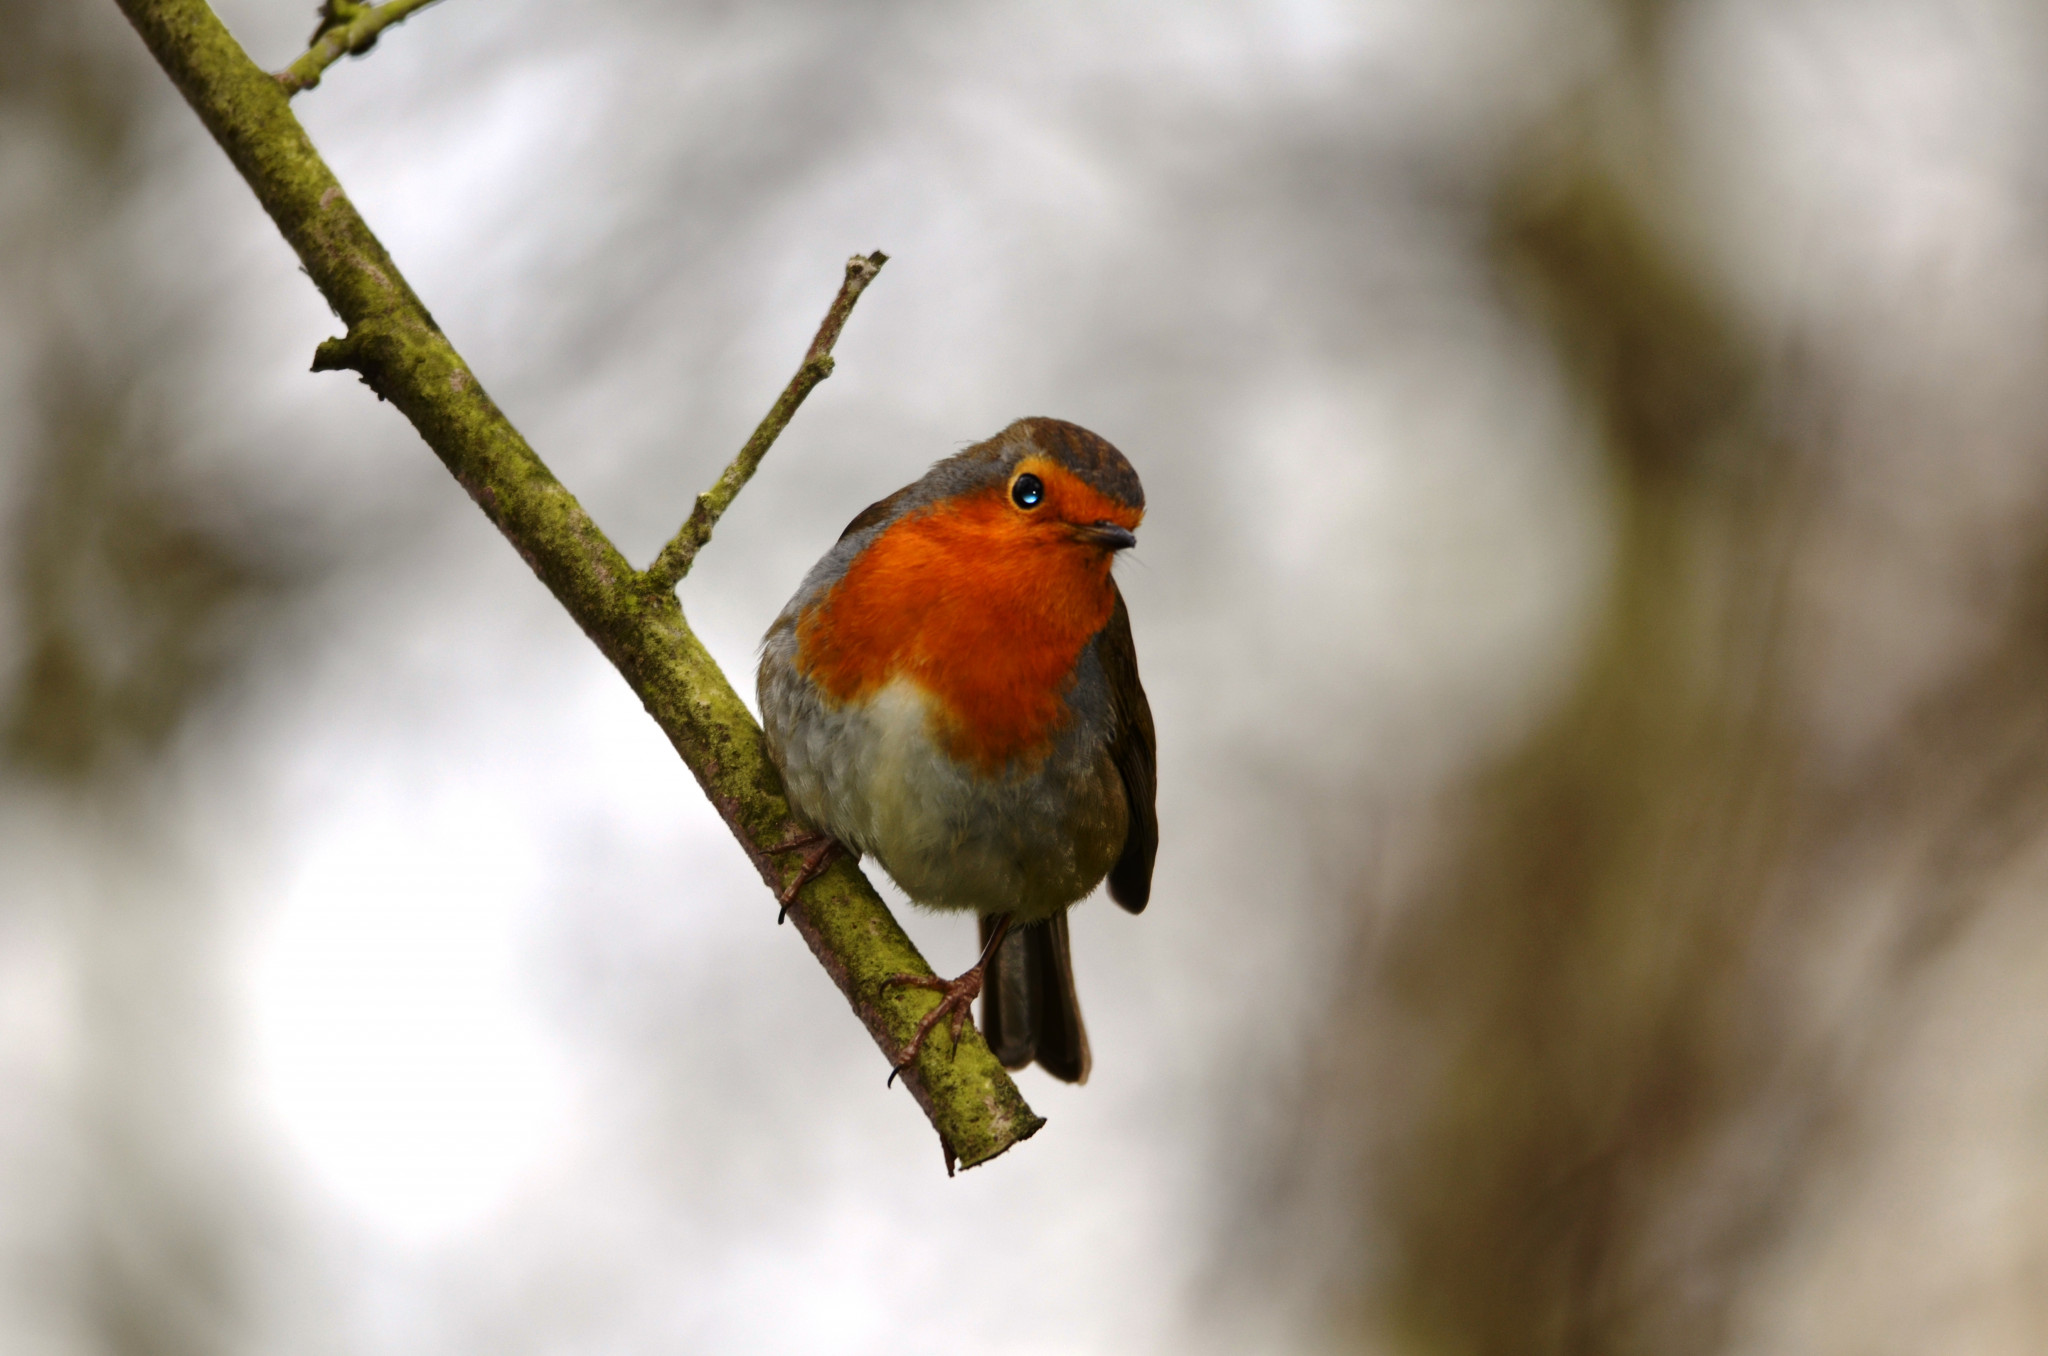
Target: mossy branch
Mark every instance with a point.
(347, 28)
(402, 355)
(676, 558)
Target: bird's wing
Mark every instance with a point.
(1131, 746)
(878, 512)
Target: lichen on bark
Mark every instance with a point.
(632, 616)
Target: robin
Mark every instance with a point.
(954, 692)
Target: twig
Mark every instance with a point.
(402, 355)
(676, 558)
(347, 28)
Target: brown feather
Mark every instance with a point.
(1029, 1010)
(1061, 1039)
(877, 512)
(1006, 998)
(1130, 880)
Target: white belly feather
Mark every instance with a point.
(1029, 839)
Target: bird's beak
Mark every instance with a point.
(1107, 535)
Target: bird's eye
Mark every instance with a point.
(1028, 491)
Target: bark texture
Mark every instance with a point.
(633, 617)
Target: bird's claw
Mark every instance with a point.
(956, 1000)
(818, 851)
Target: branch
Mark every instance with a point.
(402, 355)
(347, 28)
(676, 558)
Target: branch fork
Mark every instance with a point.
(633, 616)
(676, 558)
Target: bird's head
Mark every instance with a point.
(1043, 484)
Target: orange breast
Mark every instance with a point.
(983, 607)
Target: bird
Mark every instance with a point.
(953, 691)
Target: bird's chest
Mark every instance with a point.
(939, 708)
(989, 638)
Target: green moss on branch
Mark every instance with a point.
(347, 28)
(394, 344)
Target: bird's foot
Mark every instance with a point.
(956, 999)
(819, 850)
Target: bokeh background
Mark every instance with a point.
(1595, 601)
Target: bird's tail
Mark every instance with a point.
(1028, 1007)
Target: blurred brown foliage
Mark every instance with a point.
(1705, 1018)
(1635, 1014)
(123, 587)
(129, 581)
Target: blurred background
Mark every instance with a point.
(1594, 598)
